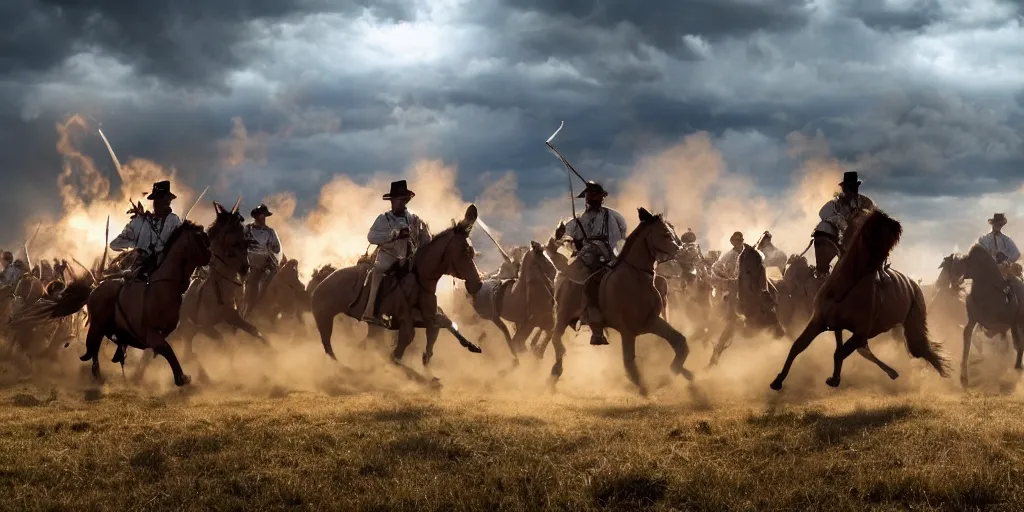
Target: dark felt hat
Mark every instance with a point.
(260, 210)
(399, 189)
(998, 219)
(593, 186)
(850, 178)
(161, 189)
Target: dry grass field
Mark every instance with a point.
(301, 433)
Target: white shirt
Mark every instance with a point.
(599, 224)
(728, 264)
(267, 242)
(384, 233)
(1000, 243)
(146, 233)
(835, 214)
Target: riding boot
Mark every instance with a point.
(371, 300)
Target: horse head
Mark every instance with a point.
(536, 265)
(227, 240)
(190, 243)
(660, 238)
(451, 253)
(978, 264)
(755, 294)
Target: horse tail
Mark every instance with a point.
(915, 327)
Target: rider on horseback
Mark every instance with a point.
(597, 235)
(397, 233)
(727, 268)
(148, 232)
(690, 258)
(12, 272)
(1002, 248)
(773, 256)
(264, 248)
(835, 216)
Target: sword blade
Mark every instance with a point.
(117, 163)
(200, 198)
(487, 231)
(553, 135)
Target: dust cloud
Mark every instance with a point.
(689, 182)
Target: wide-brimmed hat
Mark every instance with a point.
(689, 237)
(736, 236)
(593, 186)
(850, 178)
(399, 189)
(998, 219)
(260, 210)
(161, 189)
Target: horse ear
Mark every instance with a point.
(218, 208)
(536, 246)
(644, 214)
(471, 216)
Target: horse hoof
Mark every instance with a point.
(475, 349)
(832, 381)
(776, 384)
(435, 384)
(644, 392)
(330, 354)
(183, 380)
(687, 374)
(426, 358)
(963, 381)
(85, 357)
(556, 370)
(894, 375)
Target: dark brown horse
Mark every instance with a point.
(754, 308)
(629, 299)
(135, 313)
(988, 305)
(862, 296)
(527, 301)
(211, 301)
(796, 292)
(285, 295)
(407, 299)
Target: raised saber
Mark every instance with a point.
(559, 153)
(117, 163)
(487, 231)
(200, 198)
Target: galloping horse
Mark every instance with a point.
(987, 303)
(527, 301)
(210, 301)
(408, 299)
(861, 296)
(629, 300)
(796, 292)
(285, 295)
(135, 313)
(755, 301)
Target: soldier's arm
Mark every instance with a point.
(126, 240)
(425, 235)
(1012, 253)
(380, 232)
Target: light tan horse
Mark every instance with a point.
(630, 301)
(407, 300)
(135, 313)
(861, 296)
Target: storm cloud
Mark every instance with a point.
(923, 97)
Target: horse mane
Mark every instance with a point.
(631, 238)
(185, 227)
(877, 235)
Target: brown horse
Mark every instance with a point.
(629, 300)
(796, 292)
(526, 301)
(407, 299)
(135, 313)
(212, 301)
(319, 274)
(285, 295)
(755, 305)
(861, 296)
(987, 303)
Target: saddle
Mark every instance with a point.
(391, 283)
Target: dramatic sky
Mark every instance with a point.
(923, 97)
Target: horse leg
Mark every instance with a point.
(325, 326)
(815, 327)
(724, 340)
(629, 360)
(162, 348)
(406, 333)
(428, 352)
(866, 353)
(508, 337)
(660, 327)
(518, 344)
(841, 354)
(968, 334)
(1018, 344)
(235, 320)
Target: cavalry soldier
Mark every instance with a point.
(773, 257)
(597, 235)
(264, 250)
(690, 259)
(11, 273)
(726, 268)
(397, 233)
(1000, 246)
(509, 269)
(147, 232)
(835, 216)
